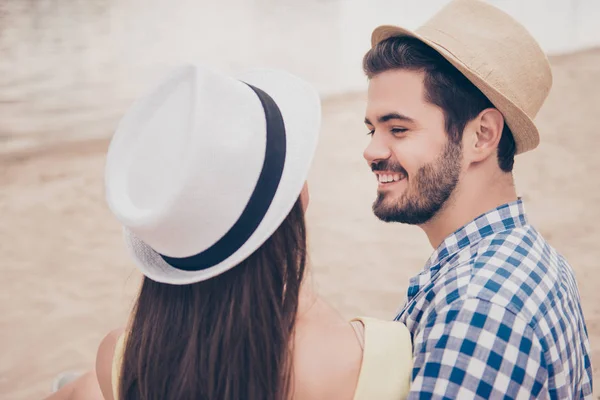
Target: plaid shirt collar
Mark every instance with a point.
(507, 216)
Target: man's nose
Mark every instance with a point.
(377, 150)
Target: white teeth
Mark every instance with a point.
(386, 178)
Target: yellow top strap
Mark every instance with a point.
(386, 369)
(116, 365)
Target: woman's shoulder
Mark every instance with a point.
(335, 360)
(104, 362)
(327, 360)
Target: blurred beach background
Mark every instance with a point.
(69, 69)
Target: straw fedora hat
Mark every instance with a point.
(495, 53)
(203, 169)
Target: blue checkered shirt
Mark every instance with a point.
(495, 314)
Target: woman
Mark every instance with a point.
(207, 175)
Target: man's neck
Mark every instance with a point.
(466, 205)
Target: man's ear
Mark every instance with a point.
(482, 135)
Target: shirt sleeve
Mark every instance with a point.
(474, 349)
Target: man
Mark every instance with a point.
(496, 312)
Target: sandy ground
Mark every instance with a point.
(67, 280)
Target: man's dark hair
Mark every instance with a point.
(445, 86)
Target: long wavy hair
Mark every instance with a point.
(230, 337)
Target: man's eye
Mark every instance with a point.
(398, 131)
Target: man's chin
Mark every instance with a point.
(386, 210)
(385, 216)
(394, 213)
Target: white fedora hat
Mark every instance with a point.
(203, 169)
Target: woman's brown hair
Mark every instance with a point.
(229, 337)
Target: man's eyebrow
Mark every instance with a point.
(389, 117)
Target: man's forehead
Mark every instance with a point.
(394, 79)
(397, 90)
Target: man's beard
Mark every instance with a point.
(431, 187)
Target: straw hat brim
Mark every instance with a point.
(524, 131)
